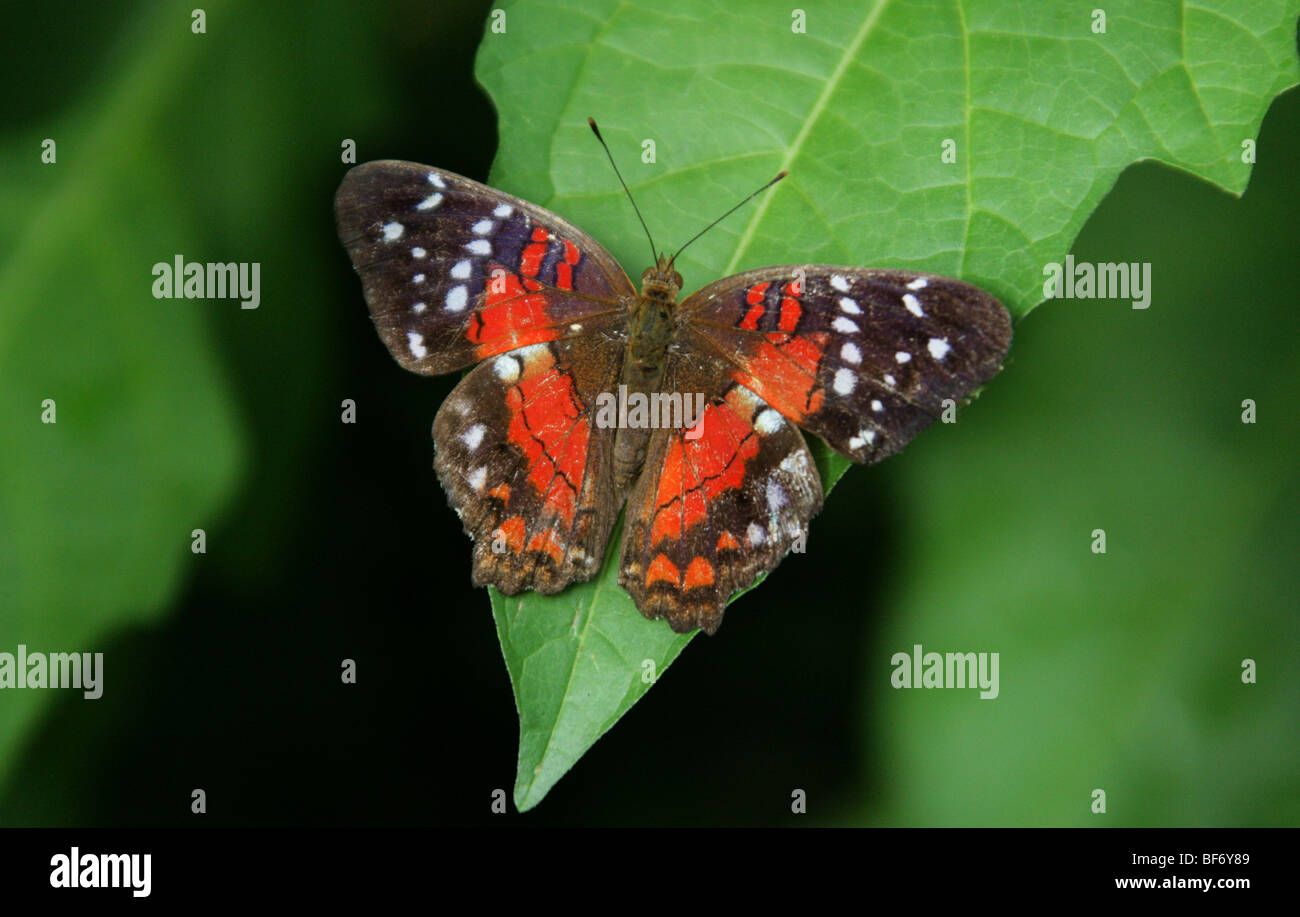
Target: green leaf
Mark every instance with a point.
(574, 677)
(1042, 109)
(97, 508)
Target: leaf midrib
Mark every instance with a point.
(615, 539)
(814, 113)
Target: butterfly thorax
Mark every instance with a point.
(650, 323)
(650, 329)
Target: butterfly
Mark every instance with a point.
(585, 396)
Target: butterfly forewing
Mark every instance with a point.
(863, 358)
(455, 272)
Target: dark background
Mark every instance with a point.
(318, 557)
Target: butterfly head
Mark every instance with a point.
(661, 281)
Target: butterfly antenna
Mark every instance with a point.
(654, 252)
(727, 214)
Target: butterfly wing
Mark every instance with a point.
(455, 272)
(863, 358)
(526, 468)
(717, 505)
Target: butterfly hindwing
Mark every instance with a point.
(455, 272)
(715, 505)
(527, 468)
(863, 358)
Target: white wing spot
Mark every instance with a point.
(877, 406)
(755, 534)
(418, 278)
(913, 305)
(433, 200)
(478, 477)
(393, 231)
(864, 438)
(844, 381)
(919, 283)
(418, 308)
(418, 252)
(939, 348)
(473, 436)
(460, 270)
(483, 227)
(503, 211)
(850, 306)
(795, 463)
(844, 325)
(849, 353)
(575, 327)
(768, 421)
(416, 342)
(903, 356)
(775, 495)
(457, 296)
(436, 180)
(839, 283)
(507, 368)
(890, 380)
(479, 247)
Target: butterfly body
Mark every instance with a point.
(650, 330)
(532, 452)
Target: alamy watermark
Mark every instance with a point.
(75, 869)
(1123, 280)
(82, 671)
(919, 669)
(651, 411)
(180, 279)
